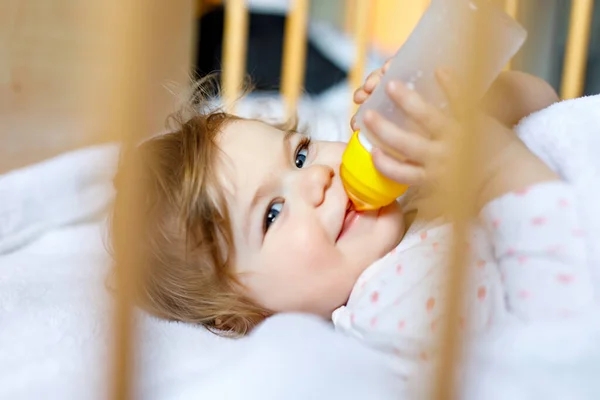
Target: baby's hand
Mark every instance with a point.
(362, 93)
(410, 157)
(420, 157)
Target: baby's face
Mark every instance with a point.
(296, 246)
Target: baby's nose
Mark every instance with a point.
(314, 182)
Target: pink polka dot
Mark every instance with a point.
(423, 235)
(373, 322)
(436, 246)
(554, 250)
(538, 221)
(397, 352)
(352, 318)
(374, 297)
(481, 293)
(399, 269)
(401, 325)
(524, 294)
(430, 304)
(433, 326)
(481, 264)
(496, 223)
(563, 203)
(423, 356)
(565, 278)
(578, 232)
(522, 259)
(511, 252)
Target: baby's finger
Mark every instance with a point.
(396, 141)
(426, 115)
(386, 66)
(360, 96)
(353, 123)
(397, 171)
(373, 80)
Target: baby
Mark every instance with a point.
(526, 250)
(243, 219)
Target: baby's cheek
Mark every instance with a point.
(314, 246)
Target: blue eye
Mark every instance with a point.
(272, 213)
(302, 152)
(301, 158)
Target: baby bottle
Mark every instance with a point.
(440, 39)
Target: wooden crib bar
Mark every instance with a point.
(294, 54)
(576, 55)
(361, 19)
(457, 197)
(234, 51)
(128, 48)
(512, 8)
(120, 100)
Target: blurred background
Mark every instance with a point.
(547, 22)
(52, 54)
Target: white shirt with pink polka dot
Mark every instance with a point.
(527, 261)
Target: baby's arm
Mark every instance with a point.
(515, 95)
(540, 250)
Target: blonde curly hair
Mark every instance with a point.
(185, 241)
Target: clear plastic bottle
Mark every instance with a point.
(440, 39)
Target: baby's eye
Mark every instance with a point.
(272, 213)
(302, 153)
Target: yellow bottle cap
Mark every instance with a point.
(366, 187)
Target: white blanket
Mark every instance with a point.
(56, 192)
(55, 312)
(566, 136)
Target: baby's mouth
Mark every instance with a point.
(350, 217)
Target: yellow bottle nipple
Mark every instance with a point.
(366, 187)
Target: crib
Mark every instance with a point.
(144, 31)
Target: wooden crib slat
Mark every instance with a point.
(234, 50)
(128, 47)
(361, 21)
(148, 44)
(294, 54)
(458, 197)
(512, 8)
(576, 54)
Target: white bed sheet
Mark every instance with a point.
(55, 344)
(55, 339)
